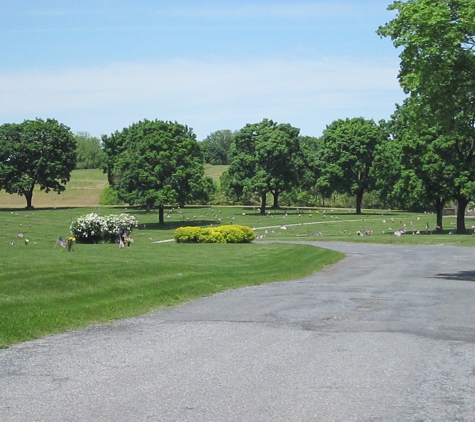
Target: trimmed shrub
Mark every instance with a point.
(187, 234)
(248, 233)
(232, 234)
(219, 234)
(211, 235)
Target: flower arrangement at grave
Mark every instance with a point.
(97, 228)
(70, 242)
(128, 240)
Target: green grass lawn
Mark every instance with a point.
(215, 171)
(316, 224)
(46, 289)
(84, 189)
(344, 225)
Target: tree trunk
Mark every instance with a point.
(275, 194)
(28, 197)
(359, 200)
(263, 202)
(462, 203)
(160, 215)
(439, 206)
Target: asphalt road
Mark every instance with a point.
(387, 334)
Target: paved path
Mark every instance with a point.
(388, 334)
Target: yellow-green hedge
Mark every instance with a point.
(220, 234)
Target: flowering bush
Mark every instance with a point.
(94, 228)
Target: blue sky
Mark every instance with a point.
(99, 66)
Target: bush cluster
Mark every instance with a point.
(109, 196)
(219, 234)
(95, 228)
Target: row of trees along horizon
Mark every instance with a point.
(422, 158)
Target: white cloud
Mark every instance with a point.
(191, 82)
(200, 90)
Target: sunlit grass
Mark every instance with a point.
(46, 289)
(215, 172)
(84, 189)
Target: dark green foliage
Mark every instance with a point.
(204, 192)
(266, 158)
(233, 194)
(89, 151)
(414, 166)
(307, 191)
(346, 155)
(216, 147)
(109, 196)
(438, 71)
(156, 163)
(36, 152)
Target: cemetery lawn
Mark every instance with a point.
(44, 289)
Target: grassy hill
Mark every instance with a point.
(215, 172)
(84, 190)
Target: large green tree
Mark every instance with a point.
(438, 72)
(346, 157)
(216, 147)
(417, 160)
(36, 153)
(306, 193)
(89, 151)
(266, 158)
(155, 163)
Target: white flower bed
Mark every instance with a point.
(94, 228)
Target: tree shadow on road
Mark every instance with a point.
(460, 276)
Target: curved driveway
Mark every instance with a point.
(387, 334)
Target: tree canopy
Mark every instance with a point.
(89, 151)
(419, 156)
(438, 71)
(346, 155)
(265, 159)
(216, 147)
(36, 153)
(155, 163)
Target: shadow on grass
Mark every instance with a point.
(460, 276)
(425, 233)
(37, 209)
(322, 210)
(172, 225)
